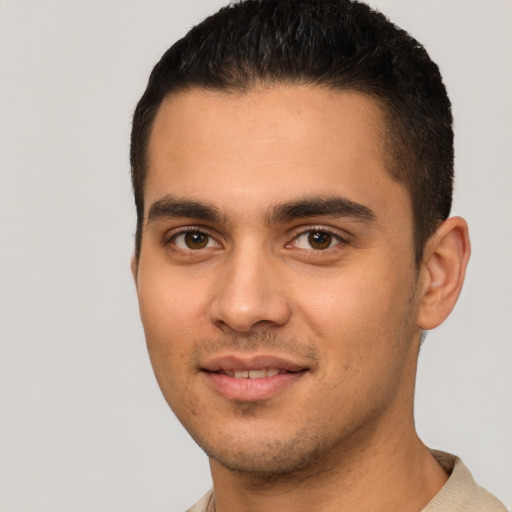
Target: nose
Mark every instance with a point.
(250, 293)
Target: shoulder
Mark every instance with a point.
(461, 492)
(203, 504)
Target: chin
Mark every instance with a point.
(268, 458)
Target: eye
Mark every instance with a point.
(193, 241)
(316, 239)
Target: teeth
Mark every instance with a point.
(253, 374)
(257, 374)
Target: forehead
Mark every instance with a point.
(268, 145)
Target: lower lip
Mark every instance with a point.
(251, 390)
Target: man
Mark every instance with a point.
(292, 164)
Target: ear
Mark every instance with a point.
(134, 266)
(443, 269)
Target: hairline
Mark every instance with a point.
(386, 132)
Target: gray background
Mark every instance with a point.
(82, 424)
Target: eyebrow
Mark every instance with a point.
(319, 206)
(171, 207)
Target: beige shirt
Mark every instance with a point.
(459, 494)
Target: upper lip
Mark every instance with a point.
(244, 362)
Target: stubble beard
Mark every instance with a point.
(270, 457)
(298, 457)
(287, 456)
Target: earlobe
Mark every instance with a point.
(443, 269)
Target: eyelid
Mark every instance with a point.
(343, 237)
(182, 230)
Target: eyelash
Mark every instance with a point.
(319, 229)
(171, 238)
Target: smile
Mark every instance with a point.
(253, 374)
(251, 378)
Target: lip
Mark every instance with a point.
(247, 389)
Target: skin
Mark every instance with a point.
(335, 292)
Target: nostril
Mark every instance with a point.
(243, 317)
(246, 295)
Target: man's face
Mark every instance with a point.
(276, 279)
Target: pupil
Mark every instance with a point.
(320, 240)
(196, 240)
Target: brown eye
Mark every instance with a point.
(193, 241)
(196, 240)
(320, 240)
(316, 240)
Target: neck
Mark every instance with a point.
(391, 473)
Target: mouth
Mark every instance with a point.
(250, 379)
(252, 374)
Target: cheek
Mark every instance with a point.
(169, 306)
(363, 333)
(170, 313)
(361, 314)
(345, 302)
